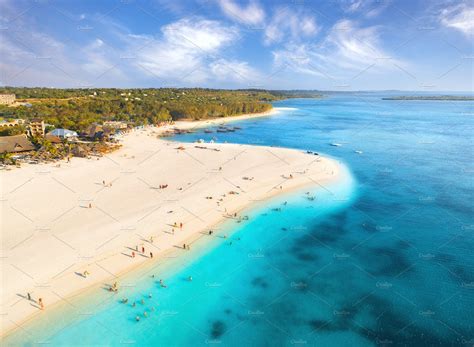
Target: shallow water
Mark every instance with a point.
(385, 258)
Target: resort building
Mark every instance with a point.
(12, 123)
(64, 134)
(111, 124)
(15, 144)
(7, 99)
(36, 127)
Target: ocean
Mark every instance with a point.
(383, 258)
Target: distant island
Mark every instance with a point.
(431, 98)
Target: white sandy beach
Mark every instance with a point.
(50, 236)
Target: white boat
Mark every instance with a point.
(358, 152)
(335, 144)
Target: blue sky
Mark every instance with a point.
(298, 44)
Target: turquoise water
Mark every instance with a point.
(386, 258)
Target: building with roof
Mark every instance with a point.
(7, 99)
(36, 128)
(11, 123)
(15, 144)
(63, 134)
(113, 124)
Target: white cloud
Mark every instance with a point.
(189, 52)
(252, 14)
(347, 49)
(289, 24)
(368, 8)
(234, 71)
(459, 17)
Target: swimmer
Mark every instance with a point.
(134, 304)
(137, 318)
(145, 314)
(150, 296)
(142, 302)
(190, 279)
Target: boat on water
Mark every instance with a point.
(358, 152)
(208, 131)
(335, 144)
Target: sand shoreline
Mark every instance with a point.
(110, 257)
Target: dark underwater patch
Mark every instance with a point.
(306, 257)
(218, 329)
(392, 261)
(259, 282)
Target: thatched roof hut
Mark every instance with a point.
(15, 144)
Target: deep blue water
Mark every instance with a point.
(384, 259)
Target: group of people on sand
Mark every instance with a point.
(163, 186)
(142, 250)
(40, 300)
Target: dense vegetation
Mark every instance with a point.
(76, 109)
(10, 131)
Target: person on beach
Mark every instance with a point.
(28, 295)
(181, 225)
(90, 205)
(85, 273)
(41, 304)
(151, 255)
(184, 246)
(133, 254)
(143, 250)
(151, 239)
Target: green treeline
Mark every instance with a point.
(76, 109)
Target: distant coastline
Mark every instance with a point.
(431, 98)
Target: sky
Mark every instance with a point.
(419, 45)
